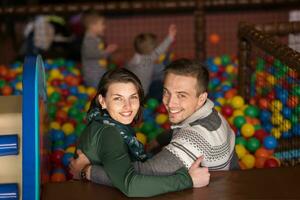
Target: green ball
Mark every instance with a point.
(73, 112)
(241, 140)
(147, 127)
(253, 144)
(257, 127)
(2, 83)
(52, 110)
(294, 119)
(54, 97)
(152, 103)
(252, 111)
(239, 121)
(225, 59)
(296, 90)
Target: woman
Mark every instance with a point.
(108, 140)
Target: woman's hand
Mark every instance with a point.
(76, 165)
(200, 175)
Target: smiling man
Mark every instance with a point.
(198, 129)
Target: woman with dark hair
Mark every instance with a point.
(109, 141)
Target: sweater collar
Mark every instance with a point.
(202, 112)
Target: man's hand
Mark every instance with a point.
(200, 175)
(76, 165)
(172, 31)
(111, 48)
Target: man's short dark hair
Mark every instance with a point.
(189, 67)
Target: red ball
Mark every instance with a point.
(161, 109)
(65, 92)
(61, 116)
(166, 126)
(55, 82)
(271, 163)
(56, 157)
(263, 103)
(260, 134)
(227, 110)
(271, 95)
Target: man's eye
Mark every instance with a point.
(117, 98)
(181, 96)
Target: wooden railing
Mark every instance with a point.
(262, 37)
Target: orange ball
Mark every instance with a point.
(6, 90)
(214, 38)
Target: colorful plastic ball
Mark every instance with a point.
(67, 128)
(276, 118)
(260, 134)
(248, 160)
(270, 142)
(263, 103)
(6, 90)
(237, 102)
(147, 127)
(252, 111)
(58, 176)
(285, 126)
(70, 140)
(70, 149)
(152, 103)
(56, 156)
(247, 130)
(241, 141)
(253, 144)
(227, 110)
(141, 137)
(240, 150)
(292, 101)
(214, 38)
(271, 163)
(54, 125)
(67, 158)
(260, 162)
(57, 135)
(161, 109)
(161, 118)
(239, 121)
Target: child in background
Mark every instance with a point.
(94, 54)
(147, 53)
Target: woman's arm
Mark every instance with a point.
(163, 163)
(117, 164)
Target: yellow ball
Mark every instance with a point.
(66, 108)
(87, 106)
(76, 71)
(248, 160)
(141, 137)
(276, 133)
(101, 46)
(218, 108)
(67, 128)
(237, 113)
(162, 57)
(230, 120)
(285, 126)
(81, 89)
(276, 106)
(276, 119)
(71, 149)
(237, 102)
(229, 69)
(91, 91)
(221, 100)
(55, 125)
(217, 61)
(19, 86)
(55, 73)
(50, 90)
(247, 130)
(240, 150)
(103, 63)
(271, 79)
(161, 118)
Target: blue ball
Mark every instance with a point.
(265, 115)
(67, 158)
(286, 112)
(267, 127)
(270, 142)
(56, 135)
(70, 139)
(286, 135)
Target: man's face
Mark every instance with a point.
(181, 97)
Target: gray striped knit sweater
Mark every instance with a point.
(205, 133)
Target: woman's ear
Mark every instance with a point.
(102, 101)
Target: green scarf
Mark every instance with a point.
(136, 149)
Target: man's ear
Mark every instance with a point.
(102, 101)
(202, 98)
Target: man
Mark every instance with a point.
(198, 129)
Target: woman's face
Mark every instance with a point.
(121, 101)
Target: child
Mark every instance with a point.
(147, 52)
(93, 51)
